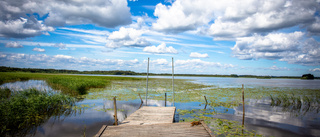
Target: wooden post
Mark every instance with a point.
(206, 102)
(115, 111)
(140, 98)
(147, 83)
(172, 81)
(165, 99)
(243, 105)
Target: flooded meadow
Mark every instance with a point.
(273, 107)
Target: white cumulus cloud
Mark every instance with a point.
(23, 27)
(161, 49)
(198, 55)
(15, 19)
(235, 18)
(126, 37)
(291, 47)
(13, 45)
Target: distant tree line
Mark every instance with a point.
(38, 70)
(122, 72)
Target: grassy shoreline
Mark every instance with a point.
(69, 84)
(128, 88)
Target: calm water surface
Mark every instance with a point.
(260, 116)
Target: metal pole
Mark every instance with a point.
(172, 81)
(147, 83)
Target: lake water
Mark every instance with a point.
(260, 116)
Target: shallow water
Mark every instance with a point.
(260, 116)
(29, 84)
(226, 82)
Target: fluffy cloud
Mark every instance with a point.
(23, 27)
(292, 47)
(64, 62)
(262, 16)
(27, 18)
(126, 37)
(13, 45)
(235, 18)
(198, 55)
(38, 49)
(182, 15)
(161, 49)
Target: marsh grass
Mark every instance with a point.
(68, 84)
(297, 104)
(23, 111)
(185, 91)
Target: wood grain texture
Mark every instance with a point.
(150, 115)
(157, 130)
(154, 122)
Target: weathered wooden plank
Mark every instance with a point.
(172, 129)
(151, 115)
(155, 122)
(101, 131)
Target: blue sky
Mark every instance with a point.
(244, 37)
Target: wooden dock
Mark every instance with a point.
(155, 122)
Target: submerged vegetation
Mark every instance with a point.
(220, 127)
(125, 88)
(220, 100)
(297, 104)
(22, 111)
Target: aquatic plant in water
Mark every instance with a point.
(297, 104)
(220, 127)
(23, 111)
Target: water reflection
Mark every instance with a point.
(260, 113)
(30, 84)
(267, 120)
(92, 118)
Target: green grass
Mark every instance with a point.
(128, 89)
(22, 111)
(69, 84)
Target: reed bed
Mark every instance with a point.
(68, 84)
(22, 111)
